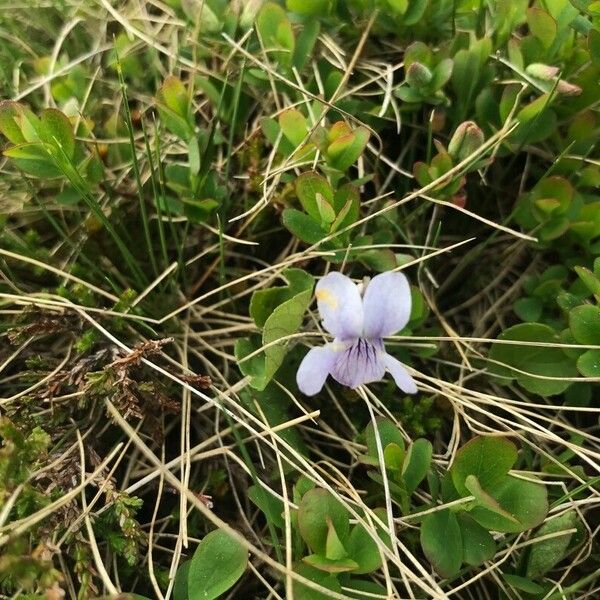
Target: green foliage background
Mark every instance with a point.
(175, 177)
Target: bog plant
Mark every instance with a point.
(185, 190)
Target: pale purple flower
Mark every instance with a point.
(358, 324)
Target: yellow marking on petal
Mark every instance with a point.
(327, 297)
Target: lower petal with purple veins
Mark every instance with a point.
(314, 369)
(401, 376)
(361, 362)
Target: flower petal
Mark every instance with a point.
(361, 362)
(386, 305)
(401, 376)
(314, 368)
(340, 306)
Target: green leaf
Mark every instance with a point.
(175, 97)
(416, 463)
(441, 74)
(264, 302)
(545, 554)
(197, 211)
(414, 13)
(317, 509)
(275, 30)
(522, 584)
(557, 188)
(334, 549)
(194, 156)
(393, 456)
(10, 112)
(271, 129)
(175, 123)
(417, 52)
(486, 457)
(542, 25)
(305, 43)
(388, 434)
(532, 110)
(326, 212)
(218, 562)
(346, 203)
(56, 129)
(330, 565)
(408, 94)
(346, 149)
(528, 309)
(269, 504)
(591, 281)
(360, 589)
(379, 259)
(303, 226)
(584, 322)
(442, 542)
(34, 159)
(303, 592)
(487, 501)
(589, 363)
(309, 8)
(478, 544)
(293, 125)
(468, 67)
(308, 186)
(285, 310)
(554, 228)
(363, 549)
(285, 320)
(533, 359)
(398, 6)
(593, 43)
(199, 11)
(180, 585)
(526, 501)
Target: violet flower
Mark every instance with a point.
(358, 324)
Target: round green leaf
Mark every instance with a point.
(362, 548)
(33, 158)
(330, 565)
(219, 561)
(10, 112)
(478, 544)
(585, 324)
(542, 25)
(309, 8)
(589, 363)
(547, 553)
(327, 580)
(308, 186)
(416, 463)
(180, 585)
(526, 501)
(487, 458)
(388, 434)
(317, 508)
(442, 542)
(346, 149)
(533, 359)
(56, 129)
(302, 226)
(293, 125)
